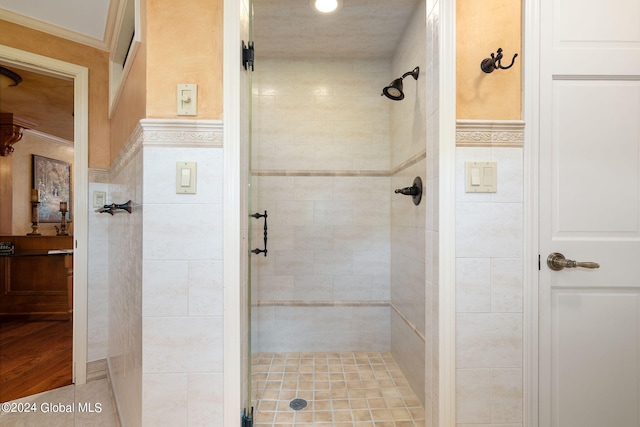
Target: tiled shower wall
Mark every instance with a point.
(166, 308)
(321, 170)
(408, 221)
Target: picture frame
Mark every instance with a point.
(52, 178)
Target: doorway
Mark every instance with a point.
(79, 204)
(441, 54)
(337, 295)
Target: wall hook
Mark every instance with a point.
(489, 64)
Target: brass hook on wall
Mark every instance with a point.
(489, 64)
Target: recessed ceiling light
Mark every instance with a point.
(326, 6)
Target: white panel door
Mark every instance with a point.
(589, 361)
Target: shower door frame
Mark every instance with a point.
(232, 210)
(234, 242)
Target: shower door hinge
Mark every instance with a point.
(247, 419)
(248, 55)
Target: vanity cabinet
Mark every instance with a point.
(37, 279)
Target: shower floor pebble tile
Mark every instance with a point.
(350, 389)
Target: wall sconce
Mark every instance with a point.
(9, 78)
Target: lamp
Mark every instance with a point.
(9, 78)
(326, 6)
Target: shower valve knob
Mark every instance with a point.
(415, 191)
(408, 191)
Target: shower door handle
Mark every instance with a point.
(258, 250)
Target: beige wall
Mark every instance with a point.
(23, 176)
(482, 28)
(178, 45)
(184, 46)
(130, 107)
(95, 60)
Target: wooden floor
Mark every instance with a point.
(35, 356)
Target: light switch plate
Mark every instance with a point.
(481, 177)
(186, 177)
(187, 100)
(99, 199)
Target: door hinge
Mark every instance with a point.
(539, 265)
(248, 55)
(247, 419)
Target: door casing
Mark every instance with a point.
(232, 211)
(80, 76)
(531, 101)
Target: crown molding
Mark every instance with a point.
(54, 30)
(48, 137)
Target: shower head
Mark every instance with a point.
(394, 90)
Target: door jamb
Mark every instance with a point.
(232, 335)
(447, 208)
(80, 76)
(531, 102)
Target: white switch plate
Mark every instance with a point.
(186, 177)
(481, 177)
(187, 100)
(99, 199)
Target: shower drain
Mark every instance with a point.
(297, 404)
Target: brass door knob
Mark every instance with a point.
(556, 261)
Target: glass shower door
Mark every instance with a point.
(247, 221)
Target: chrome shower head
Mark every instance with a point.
(394, 90)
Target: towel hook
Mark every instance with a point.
(489, 64)
(114, 206)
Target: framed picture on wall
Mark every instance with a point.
(52, 178)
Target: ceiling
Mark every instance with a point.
(361, 29)
(82, 20)
(45, 101)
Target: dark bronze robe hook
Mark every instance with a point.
(489, 64)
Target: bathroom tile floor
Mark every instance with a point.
(341, 389)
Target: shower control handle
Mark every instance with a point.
(415, 191)
(408, 191)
